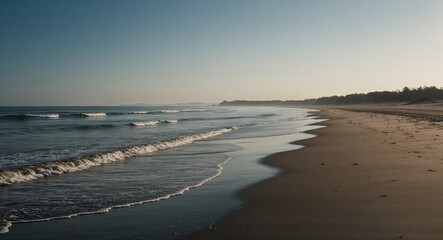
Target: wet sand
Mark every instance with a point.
(368, 175)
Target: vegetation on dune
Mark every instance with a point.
(406, 96)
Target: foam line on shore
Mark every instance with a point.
(4, 227)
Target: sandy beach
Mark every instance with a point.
(370, 174)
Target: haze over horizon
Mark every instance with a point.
(122, 52)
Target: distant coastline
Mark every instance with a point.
(405, 96)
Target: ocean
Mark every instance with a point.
(63, 162)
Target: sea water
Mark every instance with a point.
(58, 162)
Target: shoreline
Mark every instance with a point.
(183, 214)
(367, 176)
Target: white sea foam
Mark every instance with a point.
(29, 173)
(4, 227)
(7, 224)
(152, 123)
(138, 112)
(169, 111)
(50, 116)
(142, 124)
(93, 115)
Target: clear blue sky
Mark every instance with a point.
(112, 52)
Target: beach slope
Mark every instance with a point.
(366, 176)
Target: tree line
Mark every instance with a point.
(406, 96)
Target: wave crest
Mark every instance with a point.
(93, 115)
(152, 123)
(28, 173)
(169, 111)
(50, 116)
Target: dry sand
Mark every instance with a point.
(366, 176)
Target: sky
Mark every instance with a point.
(107, 52)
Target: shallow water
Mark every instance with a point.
(156, 175)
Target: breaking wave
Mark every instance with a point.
(5, 224)
(29, 173)
(93, 115)
(152, 123)
(169, 111)
(50, 116)
(30, 116)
